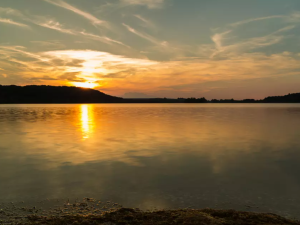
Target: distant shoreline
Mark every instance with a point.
(43, 94)
(151, 103)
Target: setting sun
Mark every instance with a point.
(85, 84)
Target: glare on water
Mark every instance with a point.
(87, 120)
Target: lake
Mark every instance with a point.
(241, 156)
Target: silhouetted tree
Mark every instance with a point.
(53, 94)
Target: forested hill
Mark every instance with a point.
(290, 98)
(53, 94)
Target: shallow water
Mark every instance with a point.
(241, 156)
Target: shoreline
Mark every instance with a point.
(129, 216)
(89, 211)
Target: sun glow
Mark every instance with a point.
(85, 84)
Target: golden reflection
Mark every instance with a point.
(87, 120)
(130, 133)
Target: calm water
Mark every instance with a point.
(238, 156)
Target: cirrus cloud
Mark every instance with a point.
(149, 3)
(11, 22)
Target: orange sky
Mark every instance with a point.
(158, 48)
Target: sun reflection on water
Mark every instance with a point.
(87, 120)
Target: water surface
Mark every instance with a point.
(242, 156)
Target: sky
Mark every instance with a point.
(154, 48)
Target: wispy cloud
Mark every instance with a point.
(54, 25)
(21, 50)
(49, 44)
(143, 35)
(218, 39)
(95, 21)
(11, 22)
(104, 39)
(293, 17)
(109, 7)
(290, 18)
(228, 41)
(255, 20)
(161, 46)
(146, 22)
(245, 45)
(10, 11)
(152, 4)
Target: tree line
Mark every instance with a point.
(12, 94)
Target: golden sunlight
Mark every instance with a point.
(85, 84)
(87, 120)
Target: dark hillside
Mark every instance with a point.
(53, 94)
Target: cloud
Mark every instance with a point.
(11, 22)
(10, 11)
(255, 20)
(72, 65)
(146, 22)
(228, 42)
(51, 23)
(291, 18)
(44, 78)
(163, 47)
(119, 74)
(294, 17)
(246, 45)
(4, 75)
(151, 4)
(55, 25)
(20, 50)
(104, 39)
(141, 75)
(95, 21)
(49, 44)
(97, 59)
(71, 77)
(218, 39)
(67, 62)
(143, 35)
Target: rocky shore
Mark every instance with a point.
(90, 211)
